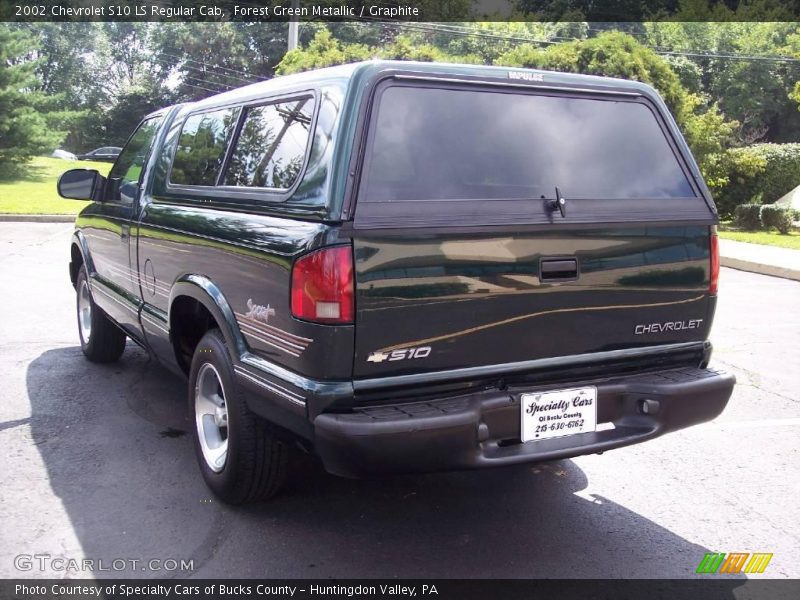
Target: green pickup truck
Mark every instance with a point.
(404, 266)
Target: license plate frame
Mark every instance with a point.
(557, 413)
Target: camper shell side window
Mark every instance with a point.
(250, 153)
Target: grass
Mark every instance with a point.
(768, 238)
(33, 190)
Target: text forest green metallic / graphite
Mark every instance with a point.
(469, 284)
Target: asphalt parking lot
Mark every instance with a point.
(96, 465)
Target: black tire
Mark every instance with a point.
(254, 467)
(102, 341)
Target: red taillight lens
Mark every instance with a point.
(322, 286)
(714, 280)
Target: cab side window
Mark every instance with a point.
(201, 147)
(125, 175)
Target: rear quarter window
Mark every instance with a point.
(200, 153)
(431, 143)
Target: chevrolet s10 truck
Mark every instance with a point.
(408, 267)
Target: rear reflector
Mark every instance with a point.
(322, 286)
(714, 279)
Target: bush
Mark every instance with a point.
(747, 185)
(779, 217)
(747, 216)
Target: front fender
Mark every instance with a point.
(79, 242)
(209, 295)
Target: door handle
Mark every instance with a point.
(558, 269)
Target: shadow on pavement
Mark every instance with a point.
(111, 437)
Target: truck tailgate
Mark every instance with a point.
(449, 300)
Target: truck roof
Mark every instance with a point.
(345, 74)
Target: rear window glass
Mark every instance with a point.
(271, 147)
(201, 148)
(436, 144)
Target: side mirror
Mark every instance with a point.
(81, 184)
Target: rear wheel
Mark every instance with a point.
(101, 340)
(240, 459)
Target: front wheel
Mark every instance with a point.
(240, 459)
(101, 340)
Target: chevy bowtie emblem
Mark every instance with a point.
(377, 357)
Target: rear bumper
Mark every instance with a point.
(483, 429)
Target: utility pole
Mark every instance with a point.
(294, 26)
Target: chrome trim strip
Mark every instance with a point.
(96, 286)
(268, 343)
(272, 387)
(152, 321)
(506, 368)
(247, 327)
(159, 288)
(276, 330)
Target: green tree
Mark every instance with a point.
(66, 68)
(210, 57)
(29, 123)
(322, 51)
(611, 54)
(737, 67)
(325, 51)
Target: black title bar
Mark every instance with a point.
(396, 10)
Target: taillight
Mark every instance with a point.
(322, 286)
(714, 280)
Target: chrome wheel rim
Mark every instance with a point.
(84, 312)
(211, 417)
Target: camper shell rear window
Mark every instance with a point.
(435, 143)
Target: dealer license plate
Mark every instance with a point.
(555, 414)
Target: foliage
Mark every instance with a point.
(752, 91)
(709, 136)
(767, 216)
(689, 73)
(748, 216)
(489, 40)
(620, 10)
(206, 57)
(325, 51)
(33, 189)
(760, 174)
(29, 123)
(611, 54)
(779, 217)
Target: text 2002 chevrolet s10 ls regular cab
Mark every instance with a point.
(408, 267)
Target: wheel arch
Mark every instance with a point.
(79, 255)
(206, 293)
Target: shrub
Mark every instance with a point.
(748, 216)
(779, 217)
(747, 185)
